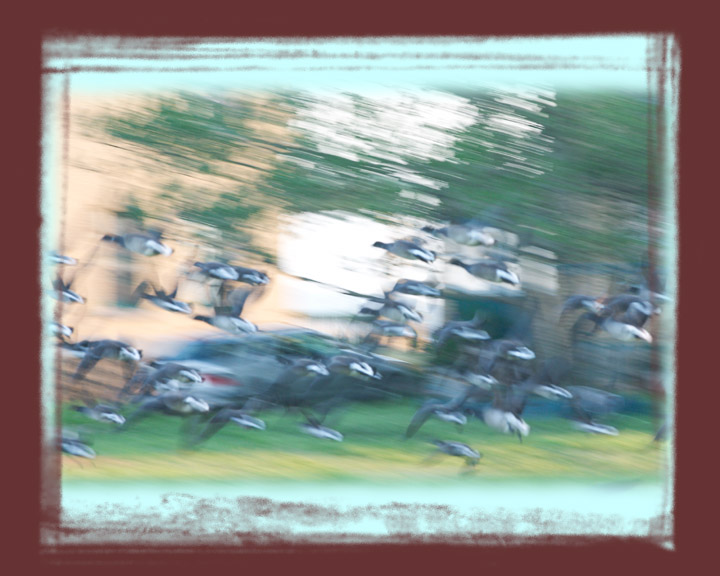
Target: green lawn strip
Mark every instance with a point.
(374, 448)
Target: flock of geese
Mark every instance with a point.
(491, 379)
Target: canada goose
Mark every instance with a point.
(75, 445)
(392, 309)
(161, 378)
(101, 413)
(250, 276)
(464, 330)
(392, 329)
(618, 329)
(415, 288)
(321, 432)
(218, 270)
(113, 349)
(352, 364)
(163, 300)
(588, 403)
(492, 270)
(472, 457)
(76, 349)
(171, 403)
(407, 249)
(62, 292)
(288, 390)
(465, 234)
(507, 351)
(60, 330)
(291, 386)
(504, 421)
(228, 317)
(579, 301)
(144, 244)
(60, 259)
(628, 309)
(469, 392)
(225, 416)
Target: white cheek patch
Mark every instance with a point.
(191, 375)
(507, 276)
(129, 354)
(158, 247)
(322, 432)
(318, 368)
(522, 353)
(197, 404)
(422, 254)
(362, 368)
(249, 422)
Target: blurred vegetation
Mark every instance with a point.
(374, 449)
(580, 187)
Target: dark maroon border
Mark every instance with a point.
(694, 523)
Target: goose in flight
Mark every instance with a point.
(111, 349)
(407, 249)
(228, 317)
(465, 234)
(162, 299)
(145, 244)
(492, 270)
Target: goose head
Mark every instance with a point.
(196, 404)
(190, 375)
(129, 353)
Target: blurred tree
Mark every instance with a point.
(568, 171)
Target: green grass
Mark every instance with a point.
(374, 449)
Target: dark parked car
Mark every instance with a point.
(245, 366)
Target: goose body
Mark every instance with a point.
(578, 301)
(62, 293)
(505, 422)
(231, 324)
(395, 310)
(322, 432)
(218, 270)
(460, 450)
(353, 365)
(77, 448)
(464, 234)
(160, 298)
(60, 330)
(228, 318)
(60, 259)
(164, 378)
(113, 349)
(452, 417)
(250, 276)
(415, 288)
(393, 329)
(143, 244)
(589, 403)
(101, 413)
(465, 330)
(492, 270)
(408, 250)
(618, 329)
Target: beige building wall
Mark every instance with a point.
(102, 175)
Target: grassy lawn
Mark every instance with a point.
(374, 449)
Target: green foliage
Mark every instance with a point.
(582, 184)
